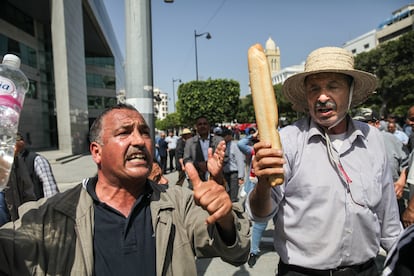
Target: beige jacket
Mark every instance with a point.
(55, 236)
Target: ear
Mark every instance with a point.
(95, 150)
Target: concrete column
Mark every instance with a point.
(138, 61)
(70, 77)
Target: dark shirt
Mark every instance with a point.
(410, 144)
(123, 245)
(162, 147)
(179, 153)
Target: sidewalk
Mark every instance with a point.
(70, 173)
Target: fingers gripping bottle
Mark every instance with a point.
(13, 87)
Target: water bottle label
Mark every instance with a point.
(10, 101)
(6, 86)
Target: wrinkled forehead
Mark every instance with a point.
(122, 116)
(328, 76)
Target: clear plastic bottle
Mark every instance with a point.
(13, 87)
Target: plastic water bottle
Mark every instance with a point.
(13, 87)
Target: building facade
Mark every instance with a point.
(401, 22)
(70, 55)
(272, 53)
(363, 43)
(160, 104)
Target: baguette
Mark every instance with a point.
(264, 101)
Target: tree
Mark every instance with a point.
(218, 100)
(393, 64)
(172, 121)
(246, 110)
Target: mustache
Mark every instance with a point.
(137, 150)
(327, 104)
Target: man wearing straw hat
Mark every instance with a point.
(337, 205)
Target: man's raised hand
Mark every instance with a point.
(216, 161)
(212, 197)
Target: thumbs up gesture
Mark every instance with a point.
(210, 195)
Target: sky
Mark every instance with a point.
(296, 26)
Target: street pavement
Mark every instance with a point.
(70, 170)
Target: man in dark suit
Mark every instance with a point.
(196, 148)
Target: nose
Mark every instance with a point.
(137, 138)
(323, 97)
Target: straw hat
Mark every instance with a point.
(186, 131)
(332, 60)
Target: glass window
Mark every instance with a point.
(27, 54)
(16, 17)
(106, 62)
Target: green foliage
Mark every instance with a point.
(172, 121)
(246, 110)
(393, 64)
(218, 100)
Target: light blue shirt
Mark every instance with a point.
(321, 223)
(401, 136)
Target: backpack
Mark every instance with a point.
(29, 158)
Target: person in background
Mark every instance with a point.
(171, 139)
(19, 189)
(236, 132)
(234, 162)
(392, 128)
(408, 214)
(121, 223)
(156, 175)
(156, 152)
(337, 205)
(196, 148)
(392, 118)
(396, 153)
(162, 146)
(179, 155)
(44, 183)
(218, 131)
(399, 261)
(410, 122)
(246, 146)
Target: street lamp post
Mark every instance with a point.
(196, 35)
(173, 81)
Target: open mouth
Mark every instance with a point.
(136, 157)
(324, 110)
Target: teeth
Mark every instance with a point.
(136, 156)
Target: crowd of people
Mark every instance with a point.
(348, 191)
